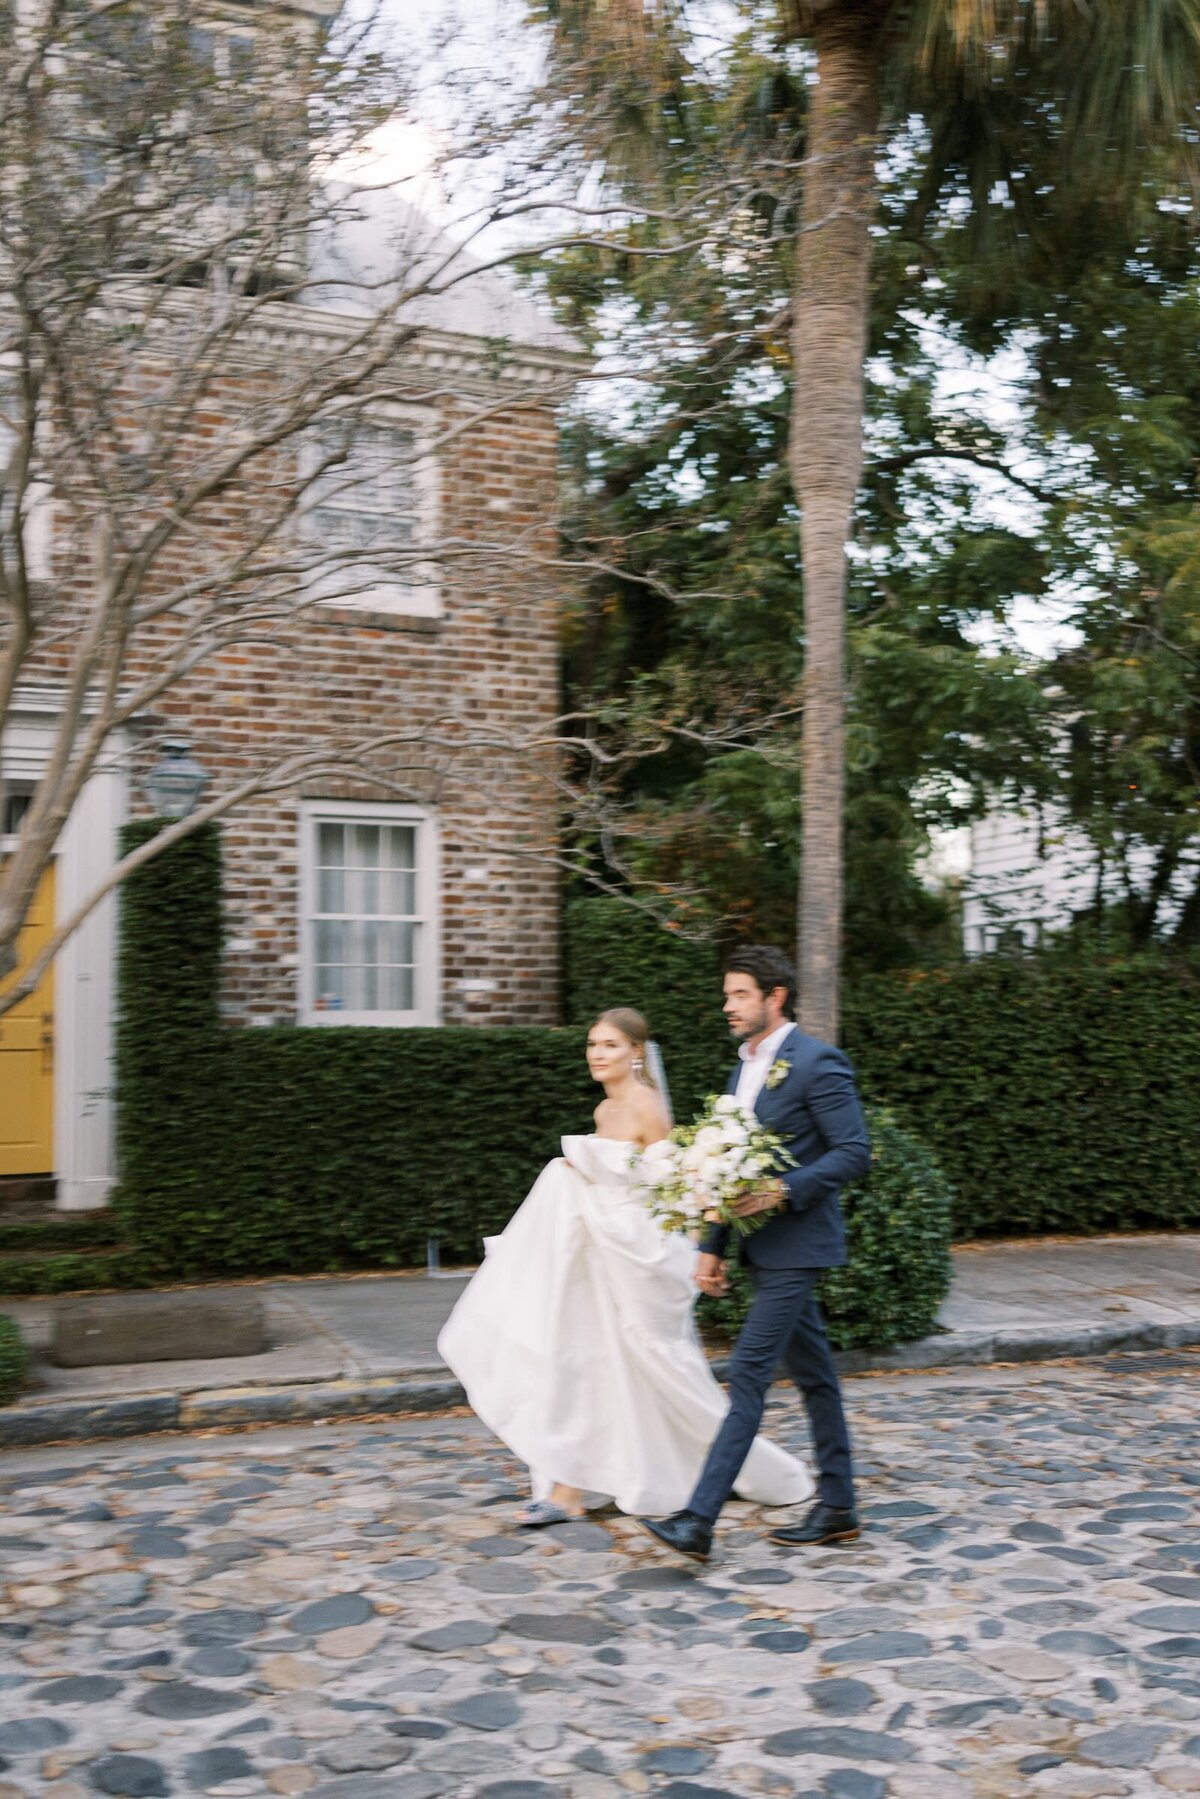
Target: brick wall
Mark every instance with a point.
(490, 662)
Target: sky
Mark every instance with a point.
(479, 48)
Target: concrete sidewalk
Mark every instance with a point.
(366, 1344)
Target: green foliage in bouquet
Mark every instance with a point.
(898, 1229)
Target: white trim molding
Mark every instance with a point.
(85, 983)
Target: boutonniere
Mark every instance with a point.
(777, 1073)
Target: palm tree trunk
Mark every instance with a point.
(829, 338)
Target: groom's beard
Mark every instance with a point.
(755, 1027)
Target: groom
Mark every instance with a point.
(803, 1090)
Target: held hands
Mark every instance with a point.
(710, 1276)
(767, 1196)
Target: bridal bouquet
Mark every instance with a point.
(695, 1175)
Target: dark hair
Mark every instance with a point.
(768, 968)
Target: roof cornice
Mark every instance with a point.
(286, 330)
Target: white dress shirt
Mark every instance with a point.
(756, 1065)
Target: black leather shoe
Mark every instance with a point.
(683, 1532)
(823, 1524)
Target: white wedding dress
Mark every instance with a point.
(576, 1344)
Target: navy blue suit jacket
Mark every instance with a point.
(815, 1110)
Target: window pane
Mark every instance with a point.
(362, 891)
(400, 847)
(241, 57)
(330, 989)
(331, 943)
(364, 846)
(397, 990)
(16, 805)
(202, 45)
(397, 944)
(364, 925)
(399, 897)
(331, 845)
(368, 495)
(331, 890)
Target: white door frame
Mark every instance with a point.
(85, 972)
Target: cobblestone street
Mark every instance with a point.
(346, 1611)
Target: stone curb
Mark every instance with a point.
(29, 1423)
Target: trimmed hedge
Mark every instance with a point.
(100, 1272)
(1055, 1096)
(898, 1240)
(1059, 1096)
(61, 1230)
(13, 1360)
(616, 956)
(347, 1145)
(171, 1147)
(247, 1151)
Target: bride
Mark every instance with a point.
(575, 1340)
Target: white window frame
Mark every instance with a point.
(419, 597)
(428, 973)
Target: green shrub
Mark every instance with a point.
(898, 1241)
(62, 1230)
(343, 1146)
(1057, 1095)
(67, 1273)
(1054, 1097)
(13, 1358)
(617, 956)
(171, 1146)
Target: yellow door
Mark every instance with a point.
(27, 1055)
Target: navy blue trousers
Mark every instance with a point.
(784, 1324)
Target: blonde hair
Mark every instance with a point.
(631, 1024)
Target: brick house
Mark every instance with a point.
(422, 897)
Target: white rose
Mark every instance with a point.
(709, 1140)
(728, 1102)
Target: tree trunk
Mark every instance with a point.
(1144, 921)
(1187, 927)
(829, 339)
